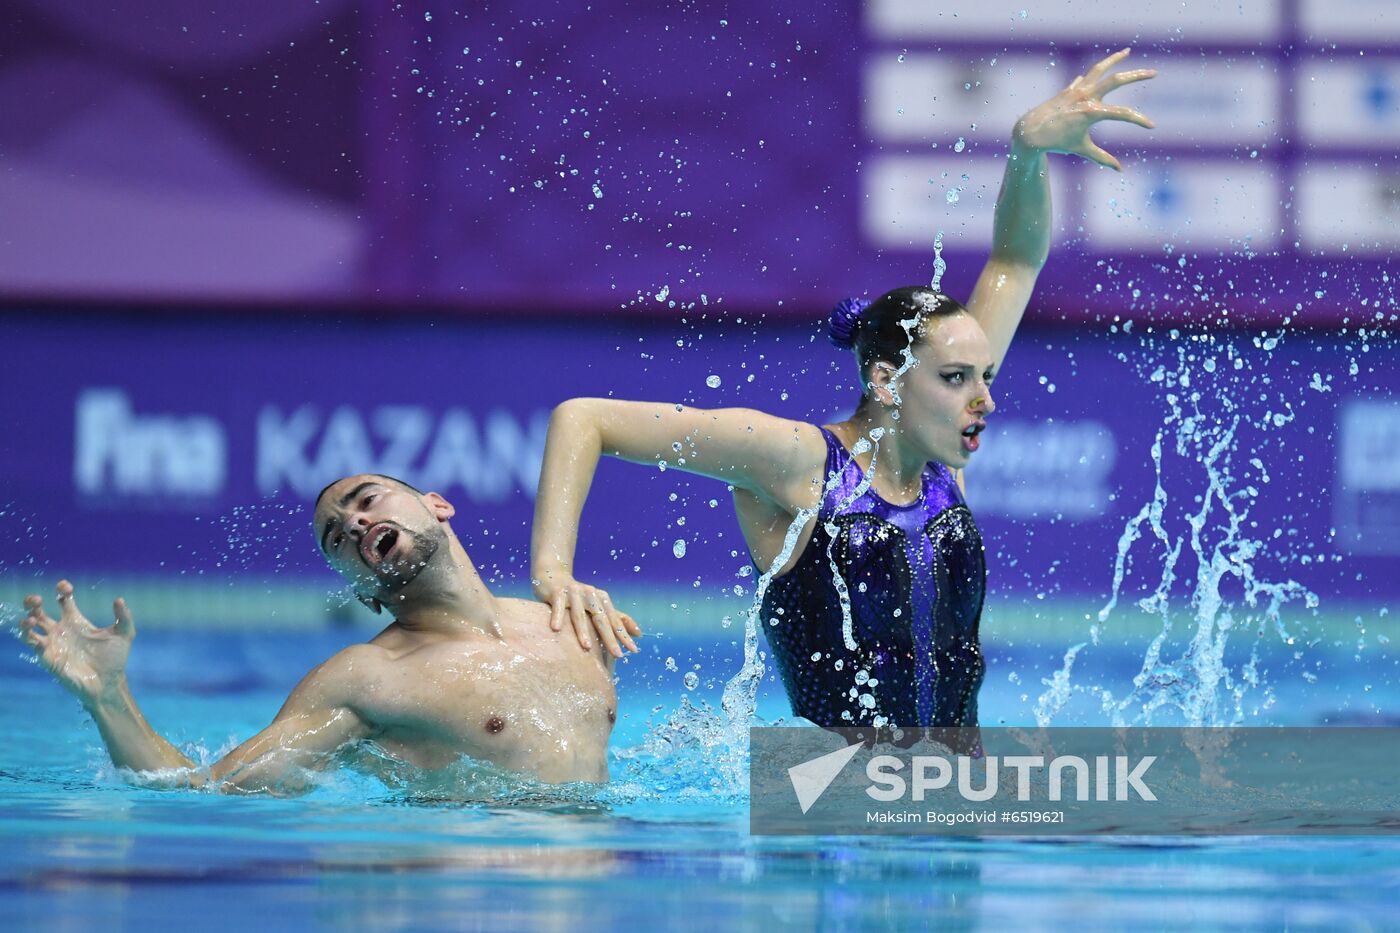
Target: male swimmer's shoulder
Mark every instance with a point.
(526, 610)
(350, 669)
(338, 681)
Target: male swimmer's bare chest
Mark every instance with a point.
(518, 703)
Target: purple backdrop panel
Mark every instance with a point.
(598, 158)
(735, 157)
(193, 445)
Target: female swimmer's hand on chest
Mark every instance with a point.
(588, 609)
(1062, 123)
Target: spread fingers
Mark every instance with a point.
(67, 605)
(1093, 75)
(1115, 81)
(1127, 115)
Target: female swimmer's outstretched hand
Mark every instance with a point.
(89, 661)
(589, 609)
(1062, 123)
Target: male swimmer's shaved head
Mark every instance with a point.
(379, 476)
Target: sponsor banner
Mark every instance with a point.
(1349, 103)
(909, 200)
(1074, 781)
(1207, 99)
(1216, 204)
(1349, 207)
(186, 446)
(1367, 505)
(920, 96)
(1361, 21)
(1084, 20)
(1059, 469)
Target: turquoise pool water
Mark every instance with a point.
(662, 848)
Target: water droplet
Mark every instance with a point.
(691, 679)
(712, 381)
(678, 548)
(960, 145)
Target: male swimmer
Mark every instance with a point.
(459, 672)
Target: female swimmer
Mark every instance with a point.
(872, 616)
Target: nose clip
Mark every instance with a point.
(977, 403)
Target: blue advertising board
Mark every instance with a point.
(194, 445)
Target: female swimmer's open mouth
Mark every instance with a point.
(970, 441)
(378, 544)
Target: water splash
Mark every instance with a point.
(940, 265)
(843, 592)
(698, 750)
(1206, 532)
(711, 748)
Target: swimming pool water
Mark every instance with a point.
(81, 849)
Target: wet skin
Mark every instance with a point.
(528, 701)
(458, 672)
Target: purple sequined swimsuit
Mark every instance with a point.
(915, 574)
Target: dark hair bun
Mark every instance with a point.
(844, 322)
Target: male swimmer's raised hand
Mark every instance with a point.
(1062, 123)
(89, 661)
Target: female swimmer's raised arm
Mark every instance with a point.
(1021, 233)
(774, 458)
